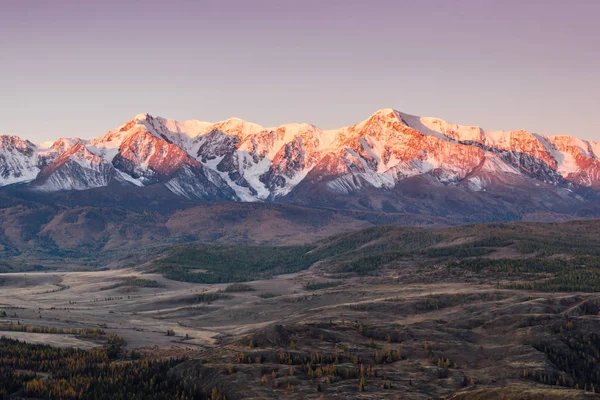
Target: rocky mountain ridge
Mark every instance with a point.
(373, 165)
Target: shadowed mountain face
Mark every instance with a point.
(95, 225)
(100, 223)
(391, 162)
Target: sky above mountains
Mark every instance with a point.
(73, 68)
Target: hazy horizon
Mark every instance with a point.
(81, 69)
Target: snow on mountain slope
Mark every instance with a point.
(444, 129)
(145, 148)
(523, 150)
(59, 147)
(173, 132)
(576, 160)
(197, 183)
(385, 149)
(261, 161)
(18, 160)
(149, 150)
(239, 160)
(293, 152)
(147, 157)
(75, 169)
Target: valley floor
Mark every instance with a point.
(415, 340)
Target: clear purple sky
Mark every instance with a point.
(80, 68)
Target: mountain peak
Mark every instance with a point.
(15, 142)
(142, 117)
(387, 113)
(238, 126)
(67, 141)
(63, 145)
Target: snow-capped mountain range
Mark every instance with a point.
(241, 161)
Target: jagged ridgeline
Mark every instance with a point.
(392, 162)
